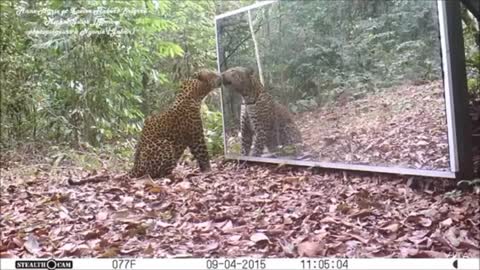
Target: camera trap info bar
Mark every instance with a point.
(243, 264)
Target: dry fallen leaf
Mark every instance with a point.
(258, 238)
(361, 213)
(292, 179)
(183, 186)
(68, 248)
(32, 245)
(408, 252)
(393, 228)
(102, 216)
(162, 224)
(447, 222)
(310, 249)
(129, 250)
(110, 252)
(155, 189)
(234, 238)
(210, 247)
(431, 254)
(149, 250)
(359, 238)
(7, 255)
(451, 236)
(425, 222)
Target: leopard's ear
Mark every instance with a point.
(201, 75)
(196, 75)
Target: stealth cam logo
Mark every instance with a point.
(43, 264)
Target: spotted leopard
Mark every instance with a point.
(166, 135)
(263, 121)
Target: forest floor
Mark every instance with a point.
(235, 210)
(241, 209)
(401, 126)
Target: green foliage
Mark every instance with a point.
(213, 125)
(471, 34)
(312, 50)
(114, 156)
(473, 70)
(94, 80)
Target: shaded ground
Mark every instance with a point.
(235, 210)
(402, 126)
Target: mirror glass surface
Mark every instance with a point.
(361, 81)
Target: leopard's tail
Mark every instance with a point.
(97, 179)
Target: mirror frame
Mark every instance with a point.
(456, 102)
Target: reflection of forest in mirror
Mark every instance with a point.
(362, 79)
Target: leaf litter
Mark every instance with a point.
(401, 126)
(235, 210)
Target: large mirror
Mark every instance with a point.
(360, 81)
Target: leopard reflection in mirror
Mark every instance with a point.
(263, 121)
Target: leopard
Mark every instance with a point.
(166, 135)
(263, 121)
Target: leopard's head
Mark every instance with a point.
(202, 83)
(243, 81)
